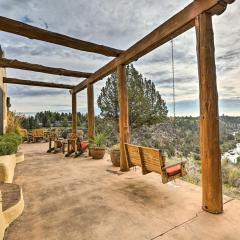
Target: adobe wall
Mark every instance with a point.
(3, 99)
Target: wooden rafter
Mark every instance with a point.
(11, 63)
(22, 29)
(36, 83)
(179, 23)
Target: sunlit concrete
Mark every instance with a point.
(81, 198)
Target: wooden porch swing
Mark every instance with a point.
(153, 160)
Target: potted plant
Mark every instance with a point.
(97, 148)
(8, 148)
(115, 155)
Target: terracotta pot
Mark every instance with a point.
(115, 157)
(97, 152)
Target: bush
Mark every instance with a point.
(233, 177)
(13, 137)
(7, 148)
(196, 156)
(9, 143)
(238, 160)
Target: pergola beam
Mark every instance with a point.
(12, 63)
(22, 29)
(36, 83)
(179, 23)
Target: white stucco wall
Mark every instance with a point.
(3, 86)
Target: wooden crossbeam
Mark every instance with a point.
(22, 29)
(12, 63)
(179, 23)
(36, 83)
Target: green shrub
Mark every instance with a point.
(7, 148)
(196, 156)
(116, 147)
(9, 143)
(12, 137)
(233, 177)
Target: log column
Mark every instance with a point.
(91, 116)
(74, 113)
(123, 115)
(209, 117)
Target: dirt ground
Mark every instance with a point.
(86, 199)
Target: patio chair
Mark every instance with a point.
(24, 134)
(56, 142)
(37, 134)
(52, 137)
(76, 145)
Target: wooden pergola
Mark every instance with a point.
(197, 14)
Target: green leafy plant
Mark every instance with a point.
(99, 140)
(9, 143)
(12, 137)
(116, 147)
(7, 148)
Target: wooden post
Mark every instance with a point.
(91, 116)
(74, 113)
(123, 115)
(209, 117)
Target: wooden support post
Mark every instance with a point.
(74, 113)
(123, 115)
(91, 117)
(209, 118)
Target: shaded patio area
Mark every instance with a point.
(81, 198)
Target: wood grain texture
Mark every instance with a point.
(179, 23)
(74, 113)
(22, 29)
(209, 118)
(12, 63)
(123, 115)
(36, 83)
(91, 114)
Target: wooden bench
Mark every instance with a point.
(37, 134)
(152, 160)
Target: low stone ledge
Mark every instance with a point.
(19, 157)
(7, 166)
(11, 205)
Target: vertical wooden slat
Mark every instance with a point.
(74, 113)
(123, 115)
(209, 117)
(91, 117)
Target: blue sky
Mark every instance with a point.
(118, 24)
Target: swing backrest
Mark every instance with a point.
(150, 159)
(153, 159)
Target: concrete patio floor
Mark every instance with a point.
(81, 198)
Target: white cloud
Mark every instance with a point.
(118, 24)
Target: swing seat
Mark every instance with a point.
(152, 160)
(173, 170)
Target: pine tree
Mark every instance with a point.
(146, 105)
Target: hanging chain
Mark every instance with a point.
(173, 83)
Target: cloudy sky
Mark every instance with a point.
(119, 24)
